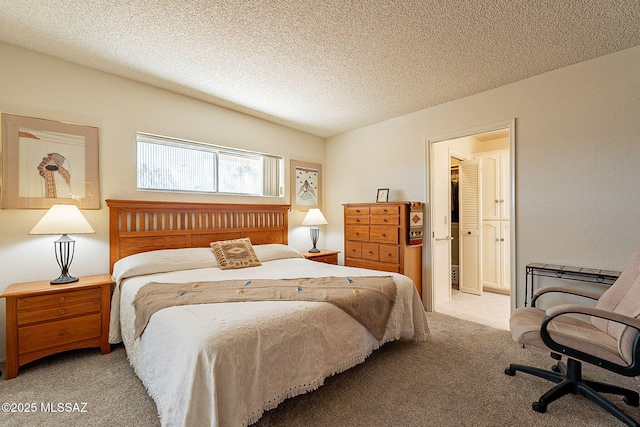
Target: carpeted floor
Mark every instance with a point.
(456, 378)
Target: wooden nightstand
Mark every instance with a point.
(328, 257)
(43, 319)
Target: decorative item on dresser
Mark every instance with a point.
(323, 255)
(377, 236)
(43, 319)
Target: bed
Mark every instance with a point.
(225, 363)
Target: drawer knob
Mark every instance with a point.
(62, 332)
(61, 311)
(62, 299)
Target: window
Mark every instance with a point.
(171, 164)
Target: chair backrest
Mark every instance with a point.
(622, 297)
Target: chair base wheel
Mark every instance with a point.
(510, 372)
(632, 400)
(539, 407)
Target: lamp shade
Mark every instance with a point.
(314, 217)
(63, 219)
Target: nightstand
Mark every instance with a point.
(328, 257)
(44, 319)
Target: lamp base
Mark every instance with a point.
(315, 233)
(63, 279)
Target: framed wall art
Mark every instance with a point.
(47, 162)
(306, 185)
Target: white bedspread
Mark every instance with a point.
(225, 364)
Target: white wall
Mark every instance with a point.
(577, 160)
(37, 85)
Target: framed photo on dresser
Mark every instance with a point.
(383, 195)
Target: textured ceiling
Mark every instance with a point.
(324, 67)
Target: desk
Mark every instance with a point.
(605, 277)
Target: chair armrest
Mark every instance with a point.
(565, 290)
(632, 369)
(592, 311)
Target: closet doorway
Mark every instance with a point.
(476, 253)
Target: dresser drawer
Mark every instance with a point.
(389, 254)
(354, 249)
(358, 233)
(355, 219)
(54, 313)
(388, 235)
(370, 251)
(372, 265)
(385, 220)
(60, 299)
(357, 210)
(385, 210)
(61, 332)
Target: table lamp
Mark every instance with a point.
(63, 219)
(314, 218)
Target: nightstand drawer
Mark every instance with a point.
(327, 259)
(52, 334)
(60, 299)
(67, 310)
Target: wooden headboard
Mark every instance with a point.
(140, 226)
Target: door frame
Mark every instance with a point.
(428, 289)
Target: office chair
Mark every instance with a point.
(608, 338)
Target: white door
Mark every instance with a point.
(469, 197)
(440, 224)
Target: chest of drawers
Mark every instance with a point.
(376, 236)
(43, 319)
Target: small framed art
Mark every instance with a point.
(47, 162)
(383, 195)
(306, 185)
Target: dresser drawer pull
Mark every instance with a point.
(61, 311)
(62, 299)
(62, 332)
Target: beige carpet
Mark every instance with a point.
(456, 378)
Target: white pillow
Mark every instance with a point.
(163, 261)
(272, 251)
